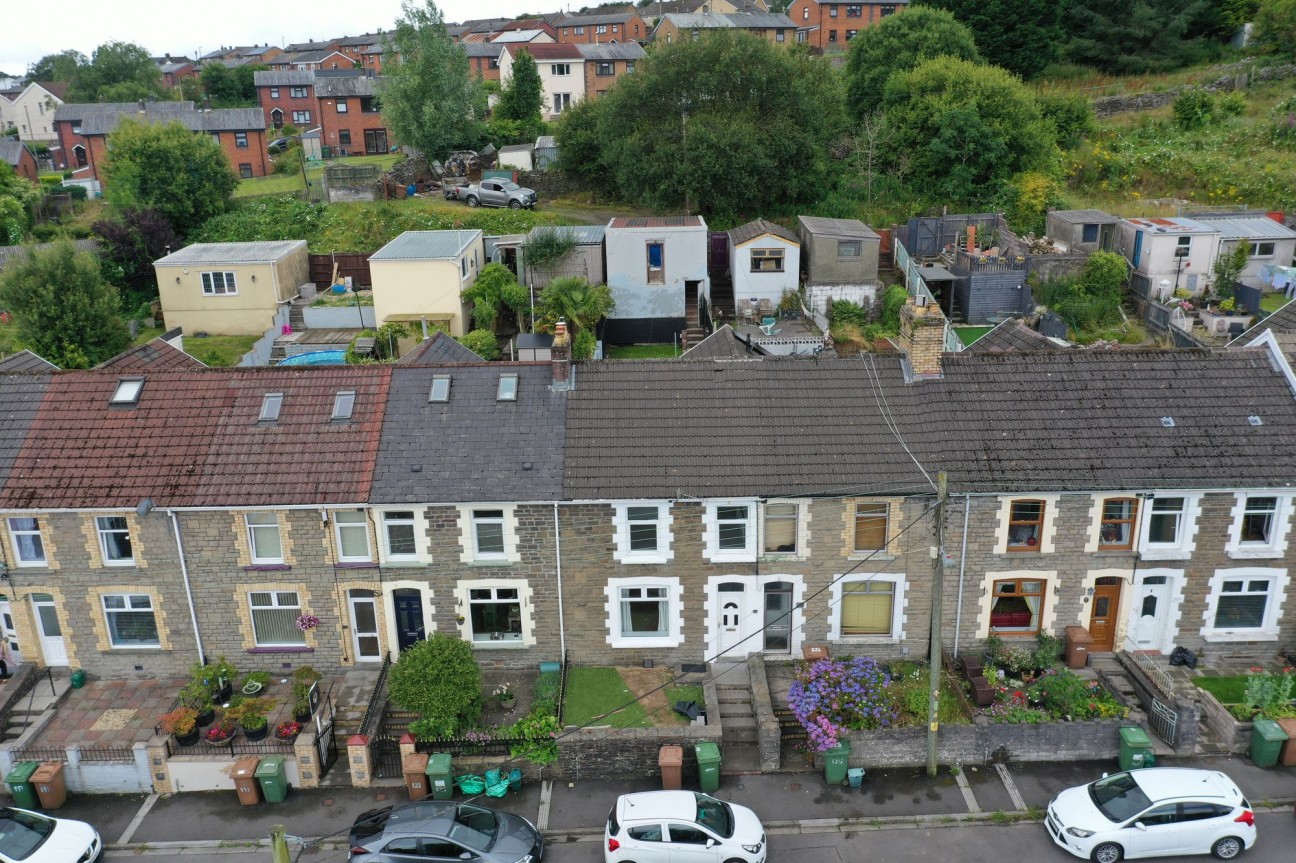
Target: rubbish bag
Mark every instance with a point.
(1183, 656)
(688, 709)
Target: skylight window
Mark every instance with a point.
(1255, 420)
(270, 407)
(508, 386)
(127, 392)
(1168, 422)
(343, 404)
(440, 389)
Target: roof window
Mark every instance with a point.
(1255, 420)
(440, 391)
(270, 406)
(508, 387)
(1168, 422)
(127, 392)
(343, 404)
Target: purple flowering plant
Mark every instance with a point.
(832, 696)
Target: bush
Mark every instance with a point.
(439, 679)
(584, 345)
(481, 342)
(846, 312)
(1197, 109)
(1071, 114)
(832, 696)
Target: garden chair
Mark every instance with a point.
(766, 307)
(745, 311)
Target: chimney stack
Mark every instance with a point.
(971, 240)
(560, 355)
(922, 336)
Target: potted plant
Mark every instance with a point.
(287, 732)
(303, 679)
(198, 698)
(221, 734)
(251, 715)
(255, 682)
(505, 695)
(183, 724)
(217, 677)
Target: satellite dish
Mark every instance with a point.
(145, 507)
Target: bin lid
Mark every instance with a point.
(47, 771)
(707, 750)
(415, 762)
(22, 771)
(671, 756)
(1078, 635)
(438, 762)
(1269, 730)
(271, 766)
(1135, 736)
(246, 766)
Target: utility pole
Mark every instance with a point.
(937, 614)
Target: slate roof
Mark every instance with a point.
(723, 344)
(720, 21)
(11, 151)
(217, 120)
(259, 252)
(612, 51)
(1012, 335)
(1085, 217)
(283, 78)
(26, 361)
(1281, 323)
(355, 85)
(21, 393)
(473, 447)
(153, 355)
(483, 49)
(194, 440)
(425, 245)
(440, 349)
(821, 226)
(73, 111)
(654, 221)
(758, 228)
(594, 20)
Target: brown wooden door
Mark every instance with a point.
(1103, 606)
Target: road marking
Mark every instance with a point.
(138, 819)
(968, 797)
(1013, 793)
(546, 797)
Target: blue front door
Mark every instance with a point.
(409, 617)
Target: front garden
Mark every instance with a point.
(1258, 694)
(1031, 686)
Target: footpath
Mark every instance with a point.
(575, 811)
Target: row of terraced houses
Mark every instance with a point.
(156, 511)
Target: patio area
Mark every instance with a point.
(109, 713)
(784, 337)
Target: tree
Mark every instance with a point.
(165, 167)
(117, 72)
(576, 301)
(896, 44)
(1275, 27)
(729, 123)
(61, 67)
(1229, 265)
(17, 195)
(1022, 36)
(132, 242)
(230, 88)
(1132, 36)
(967, 129)
(523, 98)
(63, 309)
(438, 678)
(428, 96)
(496, 289)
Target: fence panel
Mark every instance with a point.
(353, 265)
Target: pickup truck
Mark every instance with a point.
(492, 193)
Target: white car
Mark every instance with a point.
(31, 837)
(1152, 813)
(675, 826)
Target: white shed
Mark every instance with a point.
(765, 261)
(519, 156)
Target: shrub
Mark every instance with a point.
(1071, 114)
(1197, 109)
(846, 312)
(584, 345)
(481, 342)
(832, 696)
(439, 679)
(180, 721)
(537, 733)
(1270, 695)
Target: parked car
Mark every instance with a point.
(278, 145)
(669, 826)
(1152, 813)
(444, 830)
(493, 193)
(35, 838)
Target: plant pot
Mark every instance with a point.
(252, 687)
(206, 717)
(188, 739)
(224, 693)
(290, 739)
(508, 703)
(302, 717)
(226, 742)
(257, 734)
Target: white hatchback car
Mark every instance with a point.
(675, 826)
(1152, 813)
(31, 837)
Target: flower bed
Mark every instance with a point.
(1030, 687)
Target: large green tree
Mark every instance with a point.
(523, 98)
(430, 100)
(117, 72)
(1022, 36)
(17, 196)
(727, 124)
(62, 307)
(61, 67)
(896, 44)
(1134, 36)
(965, 129)
(1275, 27)
(231, 88)
(165, 167)
(132, 240)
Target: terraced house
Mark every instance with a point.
(723, 504)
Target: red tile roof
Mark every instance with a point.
(154, 355)
(656, 222)
(547, 50)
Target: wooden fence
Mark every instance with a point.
(354, 265)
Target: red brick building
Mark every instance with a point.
(287, 98)
(16, 155)
(605, 64)
(599, 29)
(484, 59)
(350, 115)
(73, 152)
(240, 133)
(829, 26)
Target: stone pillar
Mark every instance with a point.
(407, 746)
(358, 760)
(140, 751)
(306, 753)
(159, 770)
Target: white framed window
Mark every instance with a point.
(767, 260)
(274, 92)
(131, 621)
(301, 118)
(644, 612)
(1169, 526)
(1245, 604)
(495, 613)
(1259, 526)
(867, 607)
(264, 541)
(561, 102)
(730, 531)
(219, 284)
(274, 618)
(559, 68)
(783, 532)
(341, 106)
(1262, 249)
(488, 533)
(115, 540)
(297, 92)
(601, 28)
(352, 530)
(25, 535)
(580, 31)
(642, 532)
(400, 536)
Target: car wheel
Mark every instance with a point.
(515, 205)
(1227, 848)
(473, 202)
(1108, 852)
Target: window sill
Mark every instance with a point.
(644, 558)
(1225, 635)
(260, 650)
(500, 645)
(356, 564)
(490, 563)
(652, 642)
(135, 648)
(866, 639)
(1165, 554)
(1001, 633)
(404, 564)
(1114, 552)
(783, 557)
(1267, 552)
(733, 557)
(267, 567)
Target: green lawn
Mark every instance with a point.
(592, 692)
(1273, 302)
(641, 352)
(676, 694)
(1227, 690)
(219, 350)
(968, 335)
(278, 184)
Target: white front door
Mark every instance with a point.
(733, 603)
(364, 626)
(9, 651)
(51, 631)
(1149, 612)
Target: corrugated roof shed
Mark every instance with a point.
(425, 245)
(1248, 227)
(584, 235)
(849, 228)
(656, 221)
(259, 252)
(1085, 217)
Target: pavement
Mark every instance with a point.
(789, 803)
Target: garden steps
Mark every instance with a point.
(738, 759)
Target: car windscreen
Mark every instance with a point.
(715, 814)
(510, 186)
(21, 833)
(474, 827)
(1118, 797)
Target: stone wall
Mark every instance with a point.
(601, 753)
(1236, 76)
(548, 184)
(1228, 730)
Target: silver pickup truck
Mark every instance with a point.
(493, 193)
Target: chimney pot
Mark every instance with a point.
(560, 354)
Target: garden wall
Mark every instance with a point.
(984, 742)
(1227, 729)
(91, 777)
(338, 317)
